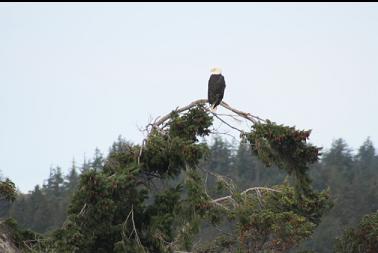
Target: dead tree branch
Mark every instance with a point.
(134, 231)
(256, 189)
(178, 110)
(246, 115)
(237, 129)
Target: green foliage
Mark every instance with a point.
(363, 238)
(115, 210)
(44, 208)
(153, 198)
(97, 211)
(312, 207)
(7, 190)
(270, 221)
(351, 180)
(220, 158)
(253, 172)
(285, 147)
(162, 214)
(194, 123)
(20, 236)
(165, 155)
(168, 153)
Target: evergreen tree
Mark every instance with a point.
(7, 190)
(45, 209)
(363, 238)
(55, 182)
(220, 159)
(7, 195)
(98, 160)
(366, 156)
(71, 180)
(117, 209)
(157, 196)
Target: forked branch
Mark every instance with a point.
(246, 115)
(256, 189)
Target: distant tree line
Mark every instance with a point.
(44, 209)
(353, 183)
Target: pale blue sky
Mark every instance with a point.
(75, 76)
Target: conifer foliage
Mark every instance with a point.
(363, 238)
(286, 148)
(7, 190)
(152, 197)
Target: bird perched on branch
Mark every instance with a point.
(216, 88)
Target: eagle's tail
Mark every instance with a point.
(213, 108)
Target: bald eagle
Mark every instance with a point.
(216, 88)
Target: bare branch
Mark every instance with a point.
(82, 211)
(178, 110)
(136, 233)
(233, 116)
(221, 199)
(257, 189)
(221, 178)
(131, 213)
(246, 115)
(237, 129)
(141, 149)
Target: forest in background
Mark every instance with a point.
(351, 179)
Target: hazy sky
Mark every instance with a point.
(75, 76)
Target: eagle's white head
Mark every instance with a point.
(216, 71)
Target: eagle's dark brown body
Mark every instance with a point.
(216, 89)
